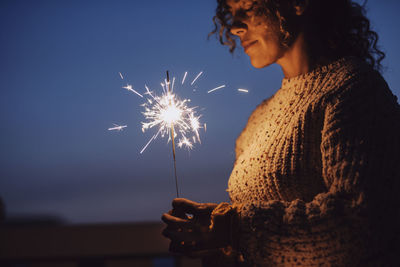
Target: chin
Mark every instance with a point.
(259, 64)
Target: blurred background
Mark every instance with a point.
(60, 90)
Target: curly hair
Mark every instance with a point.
(333, 28)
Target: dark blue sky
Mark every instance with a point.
(60, 91)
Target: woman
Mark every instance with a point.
(315, 179)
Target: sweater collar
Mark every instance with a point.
(303, 80)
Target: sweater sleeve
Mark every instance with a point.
(354, 217)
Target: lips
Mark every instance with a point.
(248, 44)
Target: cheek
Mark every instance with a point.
(267, 53)
(271, 44)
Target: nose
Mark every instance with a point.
(238, 28)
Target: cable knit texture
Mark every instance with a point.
(316, 175)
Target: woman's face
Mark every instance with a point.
(259, 38)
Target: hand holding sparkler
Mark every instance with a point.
(208, 228)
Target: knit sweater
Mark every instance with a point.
(316, 175)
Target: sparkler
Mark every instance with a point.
(173, 117)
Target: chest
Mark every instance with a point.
(280, 158)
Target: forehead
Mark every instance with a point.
(239, 4)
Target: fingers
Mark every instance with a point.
(192, 207)
(179, 213)
(184, 232)
(182, 235)
(190, 235)
(192, 249)
(175, 222)
(185, 205)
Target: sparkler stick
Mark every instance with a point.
(173, 141)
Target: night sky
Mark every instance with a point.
(60, 91)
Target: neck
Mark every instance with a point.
(296, 60)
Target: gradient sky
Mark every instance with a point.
(60, 90)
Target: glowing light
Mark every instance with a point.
(171, 114)
(243, 90)
(168, 112)
(173, 118)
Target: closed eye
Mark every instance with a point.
(244, 12)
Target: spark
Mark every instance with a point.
(198, 75)
(166, 84)
(129, 88)
(163, 87)
(195, 126)
(243, 90)
(185, 142)
(216, 88)
(184, 77)
(168, 112)
(148, 143)
(120, 75)
(148, 92)
(117, 127)
(173, 84)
